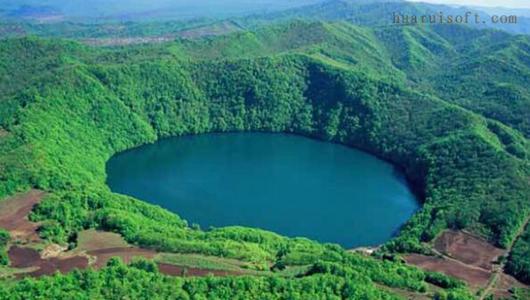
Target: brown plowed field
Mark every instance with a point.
(30, 258)
(475, 277)
(27, 257)
(14, 215)
(468, 249)
(23, 257)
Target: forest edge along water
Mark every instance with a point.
(288, 184)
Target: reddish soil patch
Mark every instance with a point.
(27, 257)
(23, 257)
(125, 253)
(14, 215)
(50, 266)
(173, 270)
(14, 218)
(468, 249)
(474, 276)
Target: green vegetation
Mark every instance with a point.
(443, 281)
(201, 261)
(4, 240)
(521, 294)
(68, 108)
(519, 260)
(141, 280)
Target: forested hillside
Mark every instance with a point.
(452, 114)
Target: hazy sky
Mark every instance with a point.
(500, 3)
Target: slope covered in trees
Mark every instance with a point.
(68, 108)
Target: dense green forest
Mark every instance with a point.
(452, 114)
(519, 260)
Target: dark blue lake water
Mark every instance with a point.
(288, 184)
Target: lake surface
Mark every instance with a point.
(288, 184)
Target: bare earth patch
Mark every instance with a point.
(474, 276)
(30, 258)
(95, 248)
(14, 213)
(471, 259)
(468, 249)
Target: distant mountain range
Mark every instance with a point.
(40, 13)
(381, 12)
(150, 10)
(247, 13)
(524, 12)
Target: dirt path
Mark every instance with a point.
(498, 272)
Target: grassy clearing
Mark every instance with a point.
(201, 262)
(88, 240)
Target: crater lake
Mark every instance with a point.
(288, 184)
